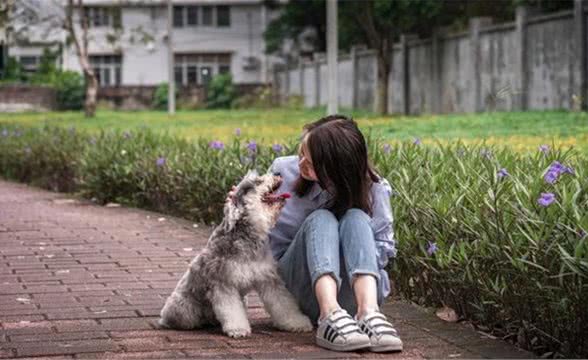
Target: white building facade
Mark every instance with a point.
(128, 42)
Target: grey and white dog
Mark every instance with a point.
(235, 261)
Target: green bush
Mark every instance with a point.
(13, 72)
(475, 230)
(160, 96)
(71, 90)
(220, 92)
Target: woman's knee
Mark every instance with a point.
(321, 217)
(354, 215)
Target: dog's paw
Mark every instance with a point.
(296, 324)
(238, 333)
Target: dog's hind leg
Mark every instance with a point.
(282, 307)
(230, 311)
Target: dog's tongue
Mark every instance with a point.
(280, 196)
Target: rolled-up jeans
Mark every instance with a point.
(324, 245)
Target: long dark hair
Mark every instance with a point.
(338, 152)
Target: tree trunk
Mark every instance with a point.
(382, 85)
(91, 94)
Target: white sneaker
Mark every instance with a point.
(339, 332)
(383, 336)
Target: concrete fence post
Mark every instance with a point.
(436, 70)
(354, 76)
(520, 73)
(317, 80)
(580, 86)
(287, 80)
(476, 24)
(301, 78)
(405, 70)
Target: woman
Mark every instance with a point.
(334, 236)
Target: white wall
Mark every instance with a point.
(147, 65)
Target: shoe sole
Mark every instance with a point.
(328, 345)
(385, 348)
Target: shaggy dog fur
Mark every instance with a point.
(235, 261)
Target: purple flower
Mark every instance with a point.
(17, 133)
(126, 135)
(544, 149)
(387, 148)
(546, 199)
(486, 153)
(460, 152)
(555, 170)
(417, 141)
(432, 248)
(252, 146)
(551, 177)
(160, 161)
(216, 144)
(568, 170)
(238, 132)
(581, 233)
(5, 133)
(502, 173)
(277, 148)
(92, 141)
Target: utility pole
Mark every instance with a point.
(171, 91)
(332, 52)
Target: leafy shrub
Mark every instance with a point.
(13, 72)
(497, 235)
(220, 92)
(71, 91)
(160, 96)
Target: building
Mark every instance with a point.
(128, 43)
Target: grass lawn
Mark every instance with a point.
(519, 130)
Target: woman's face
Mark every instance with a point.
(305, 162)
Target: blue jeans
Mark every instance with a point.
(324, 245)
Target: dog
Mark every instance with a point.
(235, 261)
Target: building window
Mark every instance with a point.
(179, 16)
(198, 69)
(223, 16)
(98, 16)
(107, 69)
(207, 15)
(30, 64)
(192, 15)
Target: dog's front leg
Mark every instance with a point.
(282, 307)
(230, 311)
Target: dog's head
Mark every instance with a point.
(256, 201)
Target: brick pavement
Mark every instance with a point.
(80, 281)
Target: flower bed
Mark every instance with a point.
(497, 235)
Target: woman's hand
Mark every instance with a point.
(231, 193)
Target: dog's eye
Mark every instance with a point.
(258, 181)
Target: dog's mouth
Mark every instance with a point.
(272, 197)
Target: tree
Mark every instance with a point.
(377, 23)
(81, 46)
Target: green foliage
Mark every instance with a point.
(71, 90)
(47, 71)
(220, 92)
(502, 259)
(160, 96)
(13, 72)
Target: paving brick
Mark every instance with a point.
(94, 289)
(65, 347)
